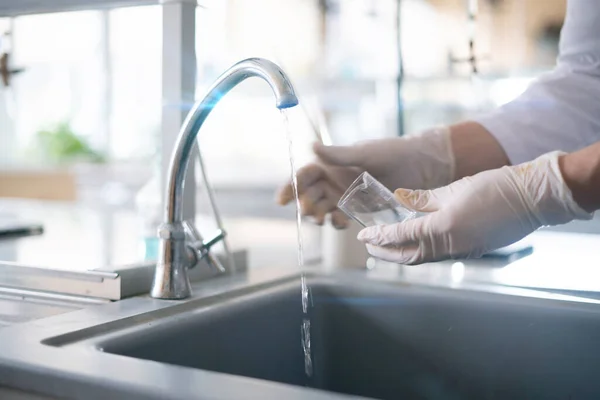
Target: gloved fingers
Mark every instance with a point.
(312, 196)
(339, 220)
(306, 176)
(408, 255)
(322, 208)
(445, 193)
(430, 200)
(418, 200)
(343, 156)
(397, 235)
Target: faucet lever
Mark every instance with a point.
(200, 248)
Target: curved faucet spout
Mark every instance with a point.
(284, 96)
(170, 278)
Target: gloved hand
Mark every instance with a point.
(477, 214)
(422, 161)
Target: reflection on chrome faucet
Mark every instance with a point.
(181, 245)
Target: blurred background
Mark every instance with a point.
(372, 68)
(82, 91)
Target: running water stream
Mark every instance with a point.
(305, 327)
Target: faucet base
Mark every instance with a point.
(170, 277)
(167, 286)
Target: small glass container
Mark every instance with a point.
(369, 202)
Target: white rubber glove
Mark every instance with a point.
(421, 161)
(478, 214)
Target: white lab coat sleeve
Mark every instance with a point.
(561, 109)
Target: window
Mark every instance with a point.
(135, 71)
(244, 140)
(103, 77)
(63, 76)
(514, 42)
(7, 107)
(92, 69)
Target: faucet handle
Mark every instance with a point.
(201, 248)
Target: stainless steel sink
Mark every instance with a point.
(380, 340)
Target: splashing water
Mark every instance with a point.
(305, 327)
(305, 331)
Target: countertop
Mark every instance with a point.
(562, 262)
(25, 306)
(83, 237)
(80, 237)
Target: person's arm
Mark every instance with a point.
(558, 111)
(581, 172)
(561, 109)
(492, 209)
(475, 149)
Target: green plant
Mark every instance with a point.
(60, 144)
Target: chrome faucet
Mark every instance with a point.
(181, 245)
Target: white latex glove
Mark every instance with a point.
(421, 161)
(478, 214)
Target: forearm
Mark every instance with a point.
(557, 112)
(475, 149)
(581, 172)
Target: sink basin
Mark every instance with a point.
(384, 341)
